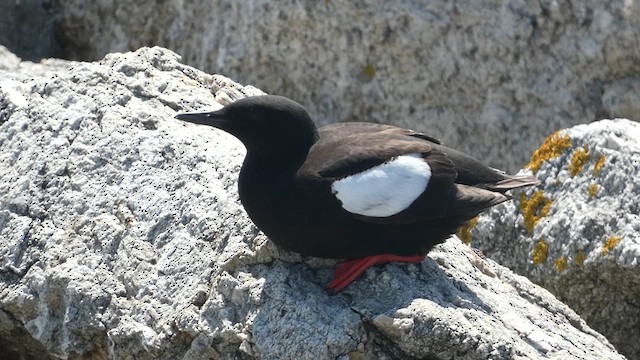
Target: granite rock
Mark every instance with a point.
(28, 28)
(578, 234)
(13, 67)
(489, 77)
(121, 236)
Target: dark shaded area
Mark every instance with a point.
(28, 28)
(14, 351)
(17, 344)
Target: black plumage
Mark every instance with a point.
(286, 184)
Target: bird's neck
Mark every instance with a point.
(277, 158)
(264, 187)
(267, 175)
(268, 172)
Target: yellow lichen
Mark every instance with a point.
(598, 166)
(581, 256)
(540, 251)
(465, 232)
(369, 70)
(553, 146)
(593, 190)
(579, 157)
(561, 264)
(534, 208)
(611, 242)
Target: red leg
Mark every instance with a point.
(347, 272)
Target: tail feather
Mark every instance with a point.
(511, 182)
(471, 200)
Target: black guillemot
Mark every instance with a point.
(366, 192)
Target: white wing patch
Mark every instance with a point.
(386, 189)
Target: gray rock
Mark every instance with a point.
(489, 77)
(621, 98)
(28, 27)
(122, 237)
(12, 67)
(584, 247)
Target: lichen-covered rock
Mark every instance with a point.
(578, 234)
(121, 237)
(490, 77)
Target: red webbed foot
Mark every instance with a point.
(348, 271)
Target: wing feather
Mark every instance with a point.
(349, 149)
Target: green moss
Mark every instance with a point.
(369, 70)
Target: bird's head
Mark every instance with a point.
(271, 127)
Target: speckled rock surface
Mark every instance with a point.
(12, 67)
(121, 236)
(578, 234)
(490, 77)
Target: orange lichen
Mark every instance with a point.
(593, 190)
(534, 208)
(599, 165)
(561, 264)
(553, 146)
(581, 256)
(465, 232)
(540, 251)
(579, 157)
(611, 242)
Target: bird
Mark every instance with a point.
(368, 193)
